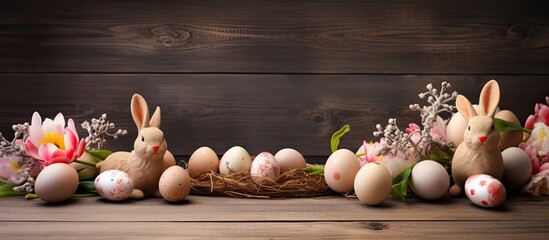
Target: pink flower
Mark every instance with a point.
(11, 169)
(438, 132)
(541, 114)
(537, 146)
(369, 150)
(50, 142)
(396, 164)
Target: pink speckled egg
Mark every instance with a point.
(114, 185)
(485, 191)
(174, 184)
(265, 169)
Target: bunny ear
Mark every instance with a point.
(140, 111)
(155, 119)
(489, 98)
(465, 107)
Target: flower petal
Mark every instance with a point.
(50, 153)
(70, 143)
(36, 132)
(31, 149)
(80, 150)
(72, 128)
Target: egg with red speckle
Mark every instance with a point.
(340, 170)
(174, 184)
(485, 191)
(114, 185)
(264, 169)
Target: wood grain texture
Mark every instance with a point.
(410, 37)
(259, 112)
(220, 209)
(278, 230)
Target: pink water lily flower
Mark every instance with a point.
(51, 142)
(541, 114)
(438, 131)
(369, 150)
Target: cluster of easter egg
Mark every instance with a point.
(264, 168)
(372, 183)
(485, 190)
(429, 180)
(58, 182)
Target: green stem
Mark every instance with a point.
(79, 195)
(85, 163)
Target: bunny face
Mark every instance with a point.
(150, 142)
(481, 134)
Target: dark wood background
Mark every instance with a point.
(264, 74)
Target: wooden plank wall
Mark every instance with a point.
(264, 74)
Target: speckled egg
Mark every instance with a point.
(429, 180)
(235, 160)
(373, 184)
(203, 160)
(517, 168)
(485, 191)
(340, 170)
(174, 184)
(264, 169)
(114, 185)
(56, 182)
(289, 159)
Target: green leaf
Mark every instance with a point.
(334, 142)
(314, 170)
(6, 190)
(85, 177)
(99, 155)
(87, 187)
(400, 184)
(505, 126)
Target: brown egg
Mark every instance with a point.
(169, 160)
(203, 160)
(289, 159)
(511, 138)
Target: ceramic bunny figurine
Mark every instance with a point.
(145, 164)
(479, 152)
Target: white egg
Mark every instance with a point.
(235, 160)
(340, 170)
(114, 185)
(518, 168)
(485, 191)
(429, 180)
(264, 169)
(56, 182)
(174, 184)
(289, 159)
(373, 184)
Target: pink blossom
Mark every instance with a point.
(537, 146)
(51, 142)
(541, 114)
(395, 164)
(369, 149)
(438, 131)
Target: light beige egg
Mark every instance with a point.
(202, 160)
(174, 184)
(510, 138)
(169, 159)
(340, 170)
(373, 184)
(429, 180)
(289, 159)
(235, 160)
(56, 183)
(456, 127)
(264, 169)
(517, 168)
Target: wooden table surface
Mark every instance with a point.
(520, 217)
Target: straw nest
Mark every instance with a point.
(292, 184)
